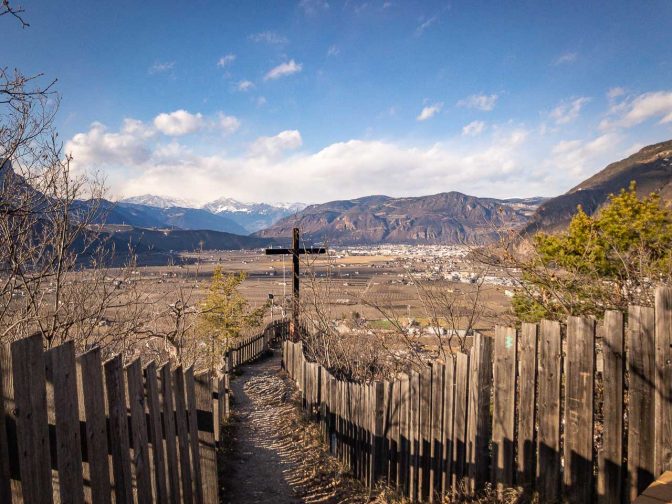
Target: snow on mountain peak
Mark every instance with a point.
(159, 201)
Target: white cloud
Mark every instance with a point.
(261, 101)
(245, 85)
(480, 102)
(580, 158)
(268, 37)
(312, 7)
(98, 145)
(429, 111)
(615, 92)
(226, 60)
(228, 124)
(502, 160)
(288, 68)
(333, 51)
(274, 145)
(161, 67)
(568, 111)
(426, 23)
(634, 111)
(179, 123)
(474, 128)
(568, 57)
(273, 166)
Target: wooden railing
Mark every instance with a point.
(75, 429)
(528, 408)
(250, 349)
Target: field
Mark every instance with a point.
(345, 285)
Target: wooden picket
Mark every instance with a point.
(504, 408)
(610, 456)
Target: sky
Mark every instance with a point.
(316, 100)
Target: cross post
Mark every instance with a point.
(296, 251)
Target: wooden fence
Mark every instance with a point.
(75, 429)
(250, 349)
(528, 408)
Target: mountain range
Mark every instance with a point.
(650, 168)
(154, 223)
(224, 214)
(445, 218)
(450, 218)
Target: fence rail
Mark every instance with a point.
(75, 429)
(527, 408)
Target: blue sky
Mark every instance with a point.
(311, 100)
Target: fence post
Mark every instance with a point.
(578, 448)
(119, 441)
(91, 376)
(61, 376)
(206, 437)
(548, 435)
(663, 379)
(136, 399)
(378, 456)
(527, 400)
(168, 407)
(155, 432)
(478, 423)
(503, 419)
(641, 360)
(610, 456)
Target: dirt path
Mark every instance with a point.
(271, 454)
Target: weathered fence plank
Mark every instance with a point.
(663, 380)
(478, 412)
(414, 434)
(404, 434)
(32, 428)
(168, 410)
(425, 432)
(641, 419)
(378, 454)
(206, 438)
(193, 435)
(548, 436)
(93, 393)
(527, 400)
(436, 437)
(447, 431)
(504, 414)
(136, 400)
(459, 465)
(7, 417)
(183, 435)
(119, 441)
(578, 447)
(61, 374)
(155, 432)
(610, 456)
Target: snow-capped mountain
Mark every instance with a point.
(249, 217)
(252, 216)
(159, 201)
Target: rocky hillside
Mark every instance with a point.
(651, 168)
(446, 218)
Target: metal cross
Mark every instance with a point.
(296, 251)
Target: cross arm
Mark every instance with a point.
(278, 251)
